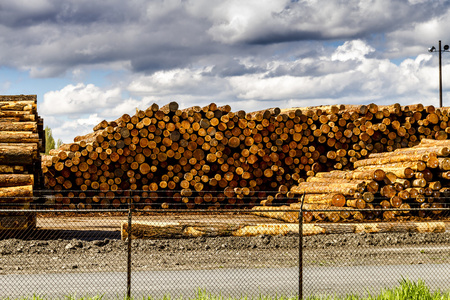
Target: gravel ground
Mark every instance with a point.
(18, 256)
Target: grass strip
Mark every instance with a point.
(407, 290)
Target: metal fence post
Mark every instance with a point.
(300, 250)
(129, 254)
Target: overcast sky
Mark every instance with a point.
(92, 60)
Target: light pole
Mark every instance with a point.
(446, 49)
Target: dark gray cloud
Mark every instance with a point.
(233, 67)
(34, 13)
(310, 20)
(50, 37)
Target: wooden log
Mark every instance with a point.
(286, 215)
(377, 175)
(150, 230)
(17, 154)
(17, 116)
(8, 180)
(16, 194)
(385, 227)
(16, 98)
(27, 105)
(438, 150)
(330, 199)
(371, 185)
(414, 165)
(318, 188)
(391, 159)
(18, 126)
(11, 169)
(252, 155)
(321, 215)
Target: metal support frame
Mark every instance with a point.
(300, 250)
(129, 253)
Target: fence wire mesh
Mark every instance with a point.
(379, 251)
(82, 253)
(237, 253)
(68, 253)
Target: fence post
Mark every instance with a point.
(129, 254)
(300, 250)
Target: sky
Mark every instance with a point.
(89, 61)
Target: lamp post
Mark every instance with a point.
(446, 49)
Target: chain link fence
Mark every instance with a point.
(139, 253)
(115, 253)
(363, 258)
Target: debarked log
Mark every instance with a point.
(152, 230)
(381, 227)
(330, 199)
(155, 230)
(376, 174)
(286, 214)
(320, 188)
(391, 158)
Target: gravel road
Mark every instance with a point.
(82, 254)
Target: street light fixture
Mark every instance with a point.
(446, 49)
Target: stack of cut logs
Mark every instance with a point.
(210, 157)
(415, 177)
(22, 138)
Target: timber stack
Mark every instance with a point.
(211, 157)
(417, 177)
(22, 139)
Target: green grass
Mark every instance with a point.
(407, 290)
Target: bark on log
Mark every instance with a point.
(17, 154)
(7, 180)
(16, 194)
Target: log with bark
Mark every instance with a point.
(21, 139)
(211, 157)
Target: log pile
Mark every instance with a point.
(211, 157)
(22, 138)
(416, 177)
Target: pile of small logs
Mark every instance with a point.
(211, 157)
(22, 138)
(417, 177)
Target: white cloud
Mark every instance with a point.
(79, 99)
(76, 109)
(66, 130)
(352, 50)
(235, 20)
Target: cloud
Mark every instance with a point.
(79, 99)
(76, 109)
(66, 130)
(264, 22)
(50, 38)
(352, 50)
(349, 72)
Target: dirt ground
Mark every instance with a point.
(65, 247)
